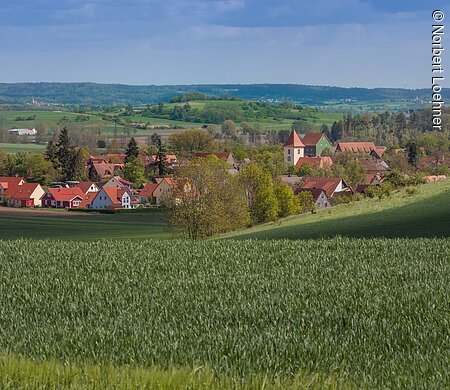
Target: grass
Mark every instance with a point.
(425, 214)
(21, 372)
(84, 227)
(14, 148)
(368, 312)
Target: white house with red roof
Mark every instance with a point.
(113, 197)
(332, 186)
(145, 195)
(118, 181)
(293, 149)
(69, 198)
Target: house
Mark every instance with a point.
(317, 162)
(145, 195)
(8, 185)
(119, 182)
(319, 196)
(100, 170)
(293, 149)
(26, 195)
(227, 156)
(112, 197)
(358, 147)
(332, 186)
(370, 180)
(290, 180)
(315, 143)
(378, 152)
(21, 132)
(374, 166)
(111, 158)
(87, 186)
(69, 198)
(164, 187)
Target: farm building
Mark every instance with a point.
(20, 132)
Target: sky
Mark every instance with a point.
(349, 43)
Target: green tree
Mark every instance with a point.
(189, 141)
(134, 171)
(412, 154)
(132, 150)
(51, 153)
(289, 203)
(64, 154)
(229, 129)
(161, 164)
(78, 166)
(261, 198)
(306, 202)
(207, 200)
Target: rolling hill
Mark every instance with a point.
(424, 214)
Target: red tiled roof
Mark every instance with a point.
(328, 184)
(85, 185)
(315, 192)
(294, 140)
(356, 147)
(65, 194)
(24, 191)
(373, 166)
(115, 194)
(148, 189)
(311, 139)
(314, 161)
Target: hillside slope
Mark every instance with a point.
(424, 214)
(94, 93)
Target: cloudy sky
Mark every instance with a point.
(366, 43)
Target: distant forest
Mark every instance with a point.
(107, 94)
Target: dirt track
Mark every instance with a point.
(25, 212)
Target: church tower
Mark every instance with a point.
(293, 149)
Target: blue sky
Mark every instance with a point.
(366, 43)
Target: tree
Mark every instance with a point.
(305, 170)
(289, 203)
(189, 141)
(161, 156)
(411, 152)
(51, 153)
(78, 167)
(229, 129)
(261, 199)
(206, 199)
(134, 171)
(64, 154)
(132, 150)
(336, 131)
(271, 161)
(113, 147)
(306, 202)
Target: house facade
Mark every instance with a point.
(332, 186)
(315, 144)
(111, 197)
(319, 196)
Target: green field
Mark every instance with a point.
(424, 214)
(83, 227)
(363, 313)
(14, 148)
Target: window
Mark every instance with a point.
(298, 151)
(289, 158)
(289, 151)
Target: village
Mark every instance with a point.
(106, 188)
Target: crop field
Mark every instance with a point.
(354, 312)
(47, 224)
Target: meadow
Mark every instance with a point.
(360, 313)
(425, 213)
(14, 148)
